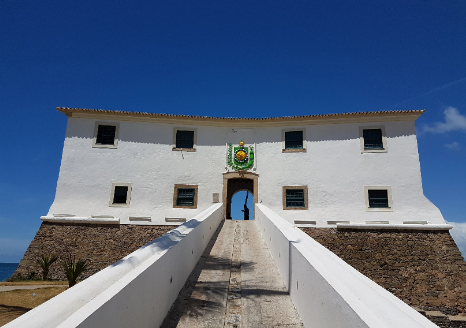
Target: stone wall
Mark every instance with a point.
(423, 268)
(102, 245)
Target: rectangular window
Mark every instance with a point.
(184, 139)
(120, 195)
(295, 198)
(294, 140)
(373, 139)
(185, 196)
(105, 135)
(378, 198)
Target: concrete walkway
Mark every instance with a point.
(13, 287)
(234, 284)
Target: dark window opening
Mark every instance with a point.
(373, 139)
(294, 140)
(378, 198)
(106, 135)
(184, 139)
(185, 197)
(120, 195)
(295, 198)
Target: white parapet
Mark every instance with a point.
(326, 291)
(420, 226)
(75, 219)
(136, 291)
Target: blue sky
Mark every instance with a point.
(224, 58)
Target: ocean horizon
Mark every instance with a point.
(6, 270)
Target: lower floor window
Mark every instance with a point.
(378, 198)
(121, 194)
(295, 197)
(185, 196)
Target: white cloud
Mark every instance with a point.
(454, 121)
(459, 236)
(453, 145)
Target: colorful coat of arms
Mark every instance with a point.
(240, 158)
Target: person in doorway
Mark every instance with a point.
(246, 212)
(246, 209)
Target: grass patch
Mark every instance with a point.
(35, 283)
(17, 302)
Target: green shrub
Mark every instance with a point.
(74, 268)
(45, 261)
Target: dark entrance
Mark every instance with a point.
(235, 185)
(237, 181)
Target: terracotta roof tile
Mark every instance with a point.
(67, 110)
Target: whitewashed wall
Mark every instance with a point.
(333, 168)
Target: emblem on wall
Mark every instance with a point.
(240, 158)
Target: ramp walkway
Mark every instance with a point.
(234, 284)
(259, 273)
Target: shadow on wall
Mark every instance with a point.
(154, 133)
(143, 132)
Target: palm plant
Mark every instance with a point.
(74, 268)
(45, 261)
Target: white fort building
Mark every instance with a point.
(314, 171)
(342, 234)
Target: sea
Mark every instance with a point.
(7, 269)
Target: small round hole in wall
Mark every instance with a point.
(192, 251)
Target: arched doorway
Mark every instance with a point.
(238, 200)
(235, 181)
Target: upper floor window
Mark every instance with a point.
(373, 139)
(106, 135)
(293, 141)
(184, 139)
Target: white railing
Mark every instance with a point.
(326, 291)
(136, 291)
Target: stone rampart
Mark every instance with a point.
(101, 244)
(425, 269)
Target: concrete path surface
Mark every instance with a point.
(234, 284)
(13, 287)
